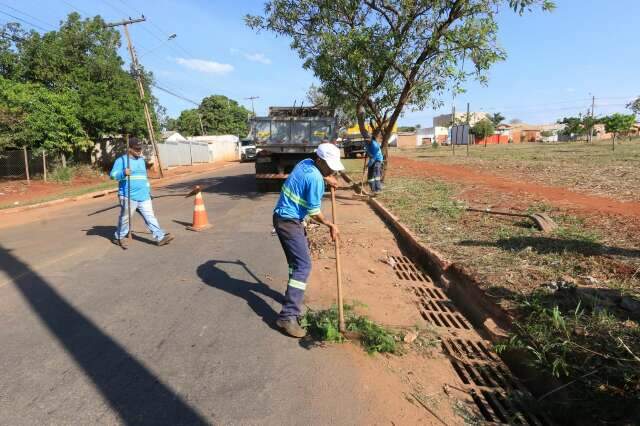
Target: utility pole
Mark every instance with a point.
(138, 74)
(251, 98)
(453, 123)
(201, 127)
(593, 104)
(468, 129)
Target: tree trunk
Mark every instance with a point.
(63, 158)
(360, 115)
(613, 142)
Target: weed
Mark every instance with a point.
(62, 174)
(323, 325)
(582, 344)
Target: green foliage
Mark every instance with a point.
(618, 123)
(220, 116)
(80, 57)
(483, 128)
(496, 118)
(635, 106)
(406, 128)
(377, 57)
(33, 116)
(323, 325)
(574, 341)
(577, 126)
(62, 174)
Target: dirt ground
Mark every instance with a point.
(422, 374)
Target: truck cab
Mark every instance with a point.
(248, 150)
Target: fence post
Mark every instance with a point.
(190, 153)
(26, 165)
(44, 165)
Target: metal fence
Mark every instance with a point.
(26, 164)
(183, 153)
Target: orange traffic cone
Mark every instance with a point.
(200, 219)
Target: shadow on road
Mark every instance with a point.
(235, 186)
(210, 273)
(131, 390)
(109, 231)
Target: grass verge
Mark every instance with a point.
(323, 325)
(72, 192)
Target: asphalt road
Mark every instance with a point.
(181, 334)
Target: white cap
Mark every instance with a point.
(331, 154)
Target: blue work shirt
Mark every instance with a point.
(140, 188)
(374, 152)
(301, 193)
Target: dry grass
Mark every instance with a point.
(591, 168)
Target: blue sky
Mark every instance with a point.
(556, 60)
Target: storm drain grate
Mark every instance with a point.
(429, 293)
(497, 407)
(469, 349)
(407, 270)
(445, 319)
(484, 375)
(438, 305)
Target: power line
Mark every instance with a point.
(25, 21)
(175, 94)
(26, 14)
(80, 11)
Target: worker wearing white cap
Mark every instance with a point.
(301, 196)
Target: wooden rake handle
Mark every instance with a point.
(341, 324)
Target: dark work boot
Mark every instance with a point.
(291, 327)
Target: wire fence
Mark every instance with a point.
(26, 164)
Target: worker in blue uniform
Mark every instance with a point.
(374, 165)
(301, 196)
(135, 169)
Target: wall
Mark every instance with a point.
(183, 153)
(407, 140)
(493, 140)
(221, 147)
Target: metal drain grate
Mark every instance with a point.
(485, 375)
(446, 320)
(469, 349)
(438, 305)
(429, 293)
(406, 270)
(513, 409)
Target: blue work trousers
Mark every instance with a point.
(374, 176)
(294, 242)
(145, 208)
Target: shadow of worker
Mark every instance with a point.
(211, 274)
(131, 390)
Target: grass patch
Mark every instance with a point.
(72, 192)
(582, 343)
(62, 174)
(323, 325)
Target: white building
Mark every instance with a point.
(221, 147)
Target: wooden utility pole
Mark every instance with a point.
(453, 123)
(468, 129)
(593, 103)
(251, 98)
(138, 74)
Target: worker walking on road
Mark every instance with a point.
(135, 168)
(374, 175)
(301, 195)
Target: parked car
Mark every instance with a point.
(353, 147)
(247, 150)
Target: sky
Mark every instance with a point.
(556, 61)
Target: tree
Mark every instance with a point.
(36, 117)
(483, 129)
(635, 106)
(379, 56)
(82, 56)
(496, 118)
(406, 128)
(345, 117)
(618, 123)
(220, 116)
(577, 126)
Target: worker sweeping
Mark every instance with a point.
(133, 171)
(301, 196)
(374, 175)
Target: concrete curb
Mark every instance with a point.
(464, 289)
(99, 194)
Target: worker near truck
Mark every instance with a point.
(301, 196)
(133, 171)
(374, 165)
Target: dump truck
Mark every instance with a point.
(285, 137)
